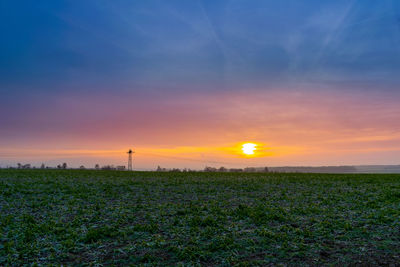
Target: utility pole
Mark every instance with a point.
(130, 152)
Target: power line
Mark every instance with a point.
(185, 158)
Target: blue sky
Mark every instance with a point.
(62, 45)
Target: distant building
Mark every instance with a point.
(108, 167)
(120, 168)
(26, 166)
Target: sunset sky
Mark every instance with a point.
(186, 83)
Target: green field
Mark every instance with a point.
(78, 217)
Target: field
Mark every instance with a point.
(83, 217)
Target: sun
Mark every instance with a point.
(248, 148)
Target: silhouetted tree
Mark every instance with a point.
(42, 166)
(82, 167)
(222, 169)
(64, 165)
(210, 169)
(19, 165)
(159, 169)
(97, 167)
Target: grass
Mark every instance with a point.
(83, 217)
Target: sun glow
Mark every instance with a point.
(248, 148)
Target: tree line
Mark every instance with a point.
(214, 169)
(64, 166)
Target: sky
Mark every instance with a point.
(185, 83)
